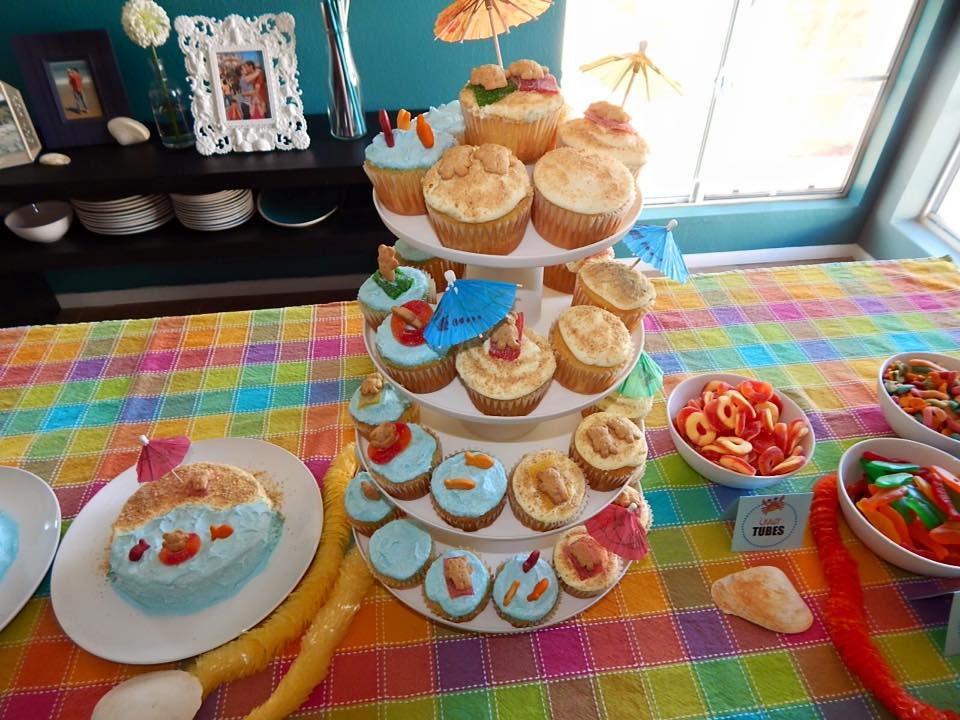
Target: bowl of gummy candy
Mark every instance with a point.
(919, 394)
(902, 499)
(737, 431)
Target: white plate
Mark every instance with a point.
(33, 506)
(127, 203)
(558, 401)
(101, 622)
(493, 554)
(533, 250)
(551, 435)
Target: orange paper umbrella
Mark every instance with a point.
(627, 67)
(479, 19)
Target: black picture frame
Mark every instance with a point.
(41, 59)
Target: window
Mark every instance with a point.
(778, 95)
(944, 207)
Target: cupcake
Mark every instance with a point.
(396, 161)
(525, 590)
(406, 356)
(632, 498)
(401, 456)
(399, 554)
(562, 277)
(435, 267)
(519, 108)
(367, 508)
(377, 401)
(391, 285)
(478, 199)
(632, 408)
(447, 118)
(605, 128)
(616, 287)
(457, 586)
(547, 490)
(509, 372)
(580, 197)
(592, 347)
(610, 450)
(468, 490)
(584, 567)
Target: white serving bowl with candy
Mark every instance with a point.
(937, 409)
(750, 439)
(851, 473)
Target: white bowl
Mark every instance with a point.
(850, 473)
(689, 389)
(905, 425)
(46, 221)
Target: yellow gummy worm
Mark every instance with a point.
(252, 651)
(321, 639)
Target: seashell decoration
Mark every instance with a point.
(54, 159)
(128, 131)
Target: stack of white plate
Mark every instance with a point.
(214, 211)
(124, 216)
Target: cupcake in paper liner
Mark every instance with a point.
(435, 267)
(634, 398)
(547, 490)
(401, 457)
(405, 355)
(605, 129)
(399, 554)
(525, 590)
(377, 401)
(468, 490)
(584, 567)
(367, 507)
(610, 449)
(592, 348)
(392, 285)
(617, 288)
(457, 586)
(563, 277)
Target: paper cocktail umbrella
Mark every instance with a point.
(626, 67)
(467, 309)
(159, 456)
(644, 380)
(480, 19)
(619, 530)
(655, 246)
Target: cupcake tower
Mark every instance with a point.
(504, 517)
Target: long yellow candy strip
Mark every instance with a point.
(321, 639)
(253, 651)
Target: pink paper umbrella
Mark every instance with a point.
(619, 530)
(160, 456)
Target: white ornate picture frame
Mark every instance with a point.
(243, 74)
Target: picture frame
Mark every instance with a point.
(19, 144)
(73, 83)
(244, 79)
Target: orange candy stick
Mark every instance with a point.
(508, 598)
(459, 484)
(403, 119)
(539, 589)
(424, 132)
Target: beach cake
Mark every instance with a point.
(192, 539)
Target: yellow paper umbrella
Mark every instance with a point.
(626, 67)
(479, 19)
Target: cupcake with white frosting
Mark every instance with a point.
(617, 287)
(592, 348)
(563, 277)
(605, 128)
(547, 490)
(610, 449)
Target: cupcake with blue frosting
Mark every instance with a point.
(525, 591)
(469, 489)
(401, 456)
(457, 586)
(376, 401)
(400, 553)
(435, 267)
(392, 285)
(396, 161)
(367, 507)
(448, 118)
(405, 355)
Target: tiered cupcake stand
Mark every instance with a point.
(460, 426)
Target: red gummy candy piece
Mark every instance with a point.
(137, 551)
(385, 126)
(509, 353)
(531, 561)
(381, 456)
(407, 334)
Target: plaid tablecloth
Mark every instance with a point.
(74, 398)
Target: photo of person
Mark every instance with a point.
(10, 141)
(243, 82)
(76, 92)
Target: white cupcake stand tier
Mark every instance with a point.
(460, 426)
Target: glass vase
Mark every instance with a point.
(169, 106)
(345, 108)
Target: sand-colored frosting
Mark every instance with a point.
(519, 106)
(479, 194)
(628, 452)
(620, 285)
(595, 336)
(536, 503)
(568, 573)
(507, 379)
(225, 487)
(618, 404)
(583, 134)
(584, 182)
(605, 254)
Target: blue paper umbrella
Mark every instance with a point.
(644, 380)
(655, 246)
(467, 309)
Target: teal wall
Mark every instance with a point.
(399, 62)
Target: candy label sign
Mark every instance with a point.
(952, 645)
(771, 522)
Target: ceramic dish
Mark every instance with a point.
(297, 207)
(850, 472)
(46, 221)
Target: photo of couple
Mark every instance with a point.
(76, 91)
(244, 85)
